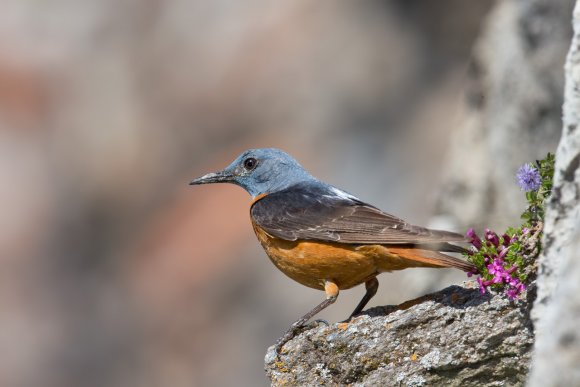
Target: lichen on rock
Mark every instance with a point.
(455, 337)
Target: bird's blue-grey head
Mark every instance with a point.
(260, 171)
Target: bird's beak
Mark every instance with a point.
(214, 177)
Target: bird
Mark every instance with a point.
(325, 238)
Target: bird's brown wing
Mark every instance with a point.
(313, 212)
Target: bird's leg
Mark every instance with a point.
(372, 286)
(331, 290)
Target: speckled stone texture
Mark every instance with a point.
(455, 337)
(557, 310)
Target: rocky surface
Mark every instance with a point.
(557, 351)
(456, 337)
(557, 309)
(563, 208)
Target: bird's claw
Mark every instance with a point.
(295, 328)
(318, 321)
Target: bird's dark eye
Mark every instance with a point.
(250, 163)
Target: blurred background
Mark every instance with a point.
(115, 272)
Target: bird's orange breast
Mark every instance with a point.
(311, 263)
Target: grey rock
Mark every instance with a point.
(557, 349)
(563, 208)
(455, 337)
(557, 309)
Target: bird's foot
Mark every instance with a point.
(296, 328)
(315, 323)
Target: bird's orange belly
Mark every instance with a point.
(311, 263)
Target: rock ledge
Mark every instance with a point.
(455, 337)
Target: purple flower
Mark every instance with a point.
(502, 275)
(491, 237)
(474, 239)
(506, 240)
(515, 289)
(511, 293)
(482, 288)
(528, 178)
(503, 252)
(496, 271)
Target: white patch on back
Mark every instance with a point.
(343, 195)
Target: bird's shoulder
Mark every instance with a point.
(308, 193)
(308, 200)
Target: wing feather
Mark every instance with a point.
(313, 211)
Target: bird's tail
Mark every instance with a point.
(429, 258)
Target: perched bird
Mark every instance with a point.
(325, 238)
